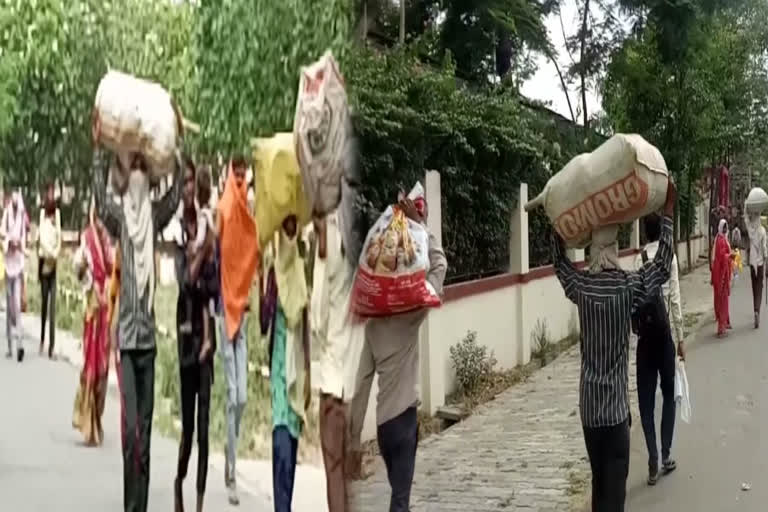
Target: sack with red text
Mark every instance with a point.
(622, 180)
(322, 133)
(392, 275)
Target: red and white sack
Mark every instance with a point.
(321, 132)
(624, 179)
(137, 115)
(392, 275)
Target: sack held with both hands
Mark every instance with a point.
(392, 274)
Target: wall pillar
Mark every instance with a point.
(432, 350)
(634, 240)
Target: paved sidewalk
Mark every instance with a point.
(522, 451)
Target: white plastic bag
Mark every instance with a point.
(682, 392)
(622, 180)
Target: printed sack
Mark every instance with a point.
(624, 179)
(391, 275)
(137, 115)
(321, 132)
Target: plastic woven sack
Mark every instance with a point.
(137, 115)
(278, 188)
(624, 179)
(757, 201)
(391, 276)
(322, 132)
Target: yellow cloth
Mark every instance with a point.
(291, 279)
(737, 262)
(278, 187)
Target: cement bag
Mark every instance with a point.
(623, 179)
(277, 185)
(756, 202)
(138, 116)
(392, 275)
(322, 132)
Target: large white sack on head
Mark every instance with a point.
(623, 179)
(757, 201)
(137, 115)
(322, 132)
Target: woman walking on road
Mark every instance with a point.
(14, 235)
(93, 263)
(49, 247)
(721, 278)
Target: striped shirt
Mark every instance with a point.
(136, 321)
(605, 302)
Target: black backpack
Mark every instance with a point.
(650, 319)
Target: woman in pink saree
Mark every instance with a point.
(94, 267)
(721, 278)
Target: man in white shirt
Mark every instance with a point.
(333, 335)
(656, 355)
(758, 252)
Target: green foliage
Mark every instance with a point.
(248, 60)
(473, 364)
(411, 118)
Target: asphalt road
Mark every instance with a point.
(44, 465)
(726, 444)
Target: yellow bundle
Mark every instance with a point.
(737, 263)
(278, 188)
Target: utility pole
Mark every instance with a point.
(402, 22)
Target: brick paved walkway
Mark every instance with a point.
(522, 451)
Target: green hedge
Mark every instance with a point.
(411, 117)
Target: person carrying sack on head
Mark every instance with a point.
(606, 297)
(136, 222)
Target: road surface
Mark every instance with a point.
(44, 465)
(726, 444)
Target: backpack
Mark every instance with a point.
(650, 319)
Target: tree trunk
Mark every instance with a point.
(583, 69)
(563, 84)
(690, 219)
(402, 21)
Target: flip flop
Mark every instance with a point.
(668, 466)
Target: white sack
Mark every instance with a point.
(322, 134)
(137, 115)
(757, 201)
(624, 179)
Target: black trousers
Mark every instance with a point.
(48, 307)
(196, 380)
(757, 275)
(608, 450)
(398, 439)
(138, 396)
(656, 362)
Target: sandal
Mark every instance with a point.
(653, 476)
(668, 466)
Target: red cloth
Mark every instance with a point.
(96, 328)
(721, 282)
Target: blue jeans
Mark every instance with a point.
(234, 358)
(284, 449)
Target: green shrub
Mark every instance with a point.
(474, 364)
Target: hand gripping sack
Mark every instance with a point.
(623, 179)
(137, 115)
(322, 132)
(392, 275)
(277, 185)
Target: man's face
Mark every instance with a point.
(289, 226)
(50, 194)
(239, 172)
(188, 192)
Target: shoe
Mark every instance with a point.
(178, 496)
(20, 355)
(232, 494)
(668, 466)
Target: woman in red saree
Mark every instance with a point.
(94, 267)
(721, 278)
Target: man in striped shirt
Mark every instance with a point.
(606, 297)
(132, 220)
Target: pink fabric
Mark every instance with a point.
(721, 282)
(724, 189)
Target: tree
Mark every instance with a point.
(249, 54)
